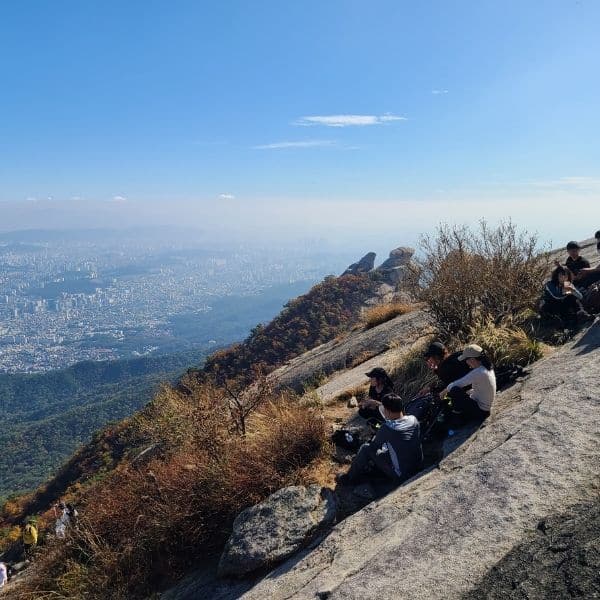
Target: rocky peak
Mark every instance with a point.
(364, 265)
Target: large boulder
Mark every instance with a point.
(364, 265)
(267, 533)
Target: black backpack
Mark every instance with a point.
(346, 439)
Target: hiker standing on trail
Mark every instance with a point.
(63, 520)
(381, 385)
(3, 574)
(477, 403)
(30, 538)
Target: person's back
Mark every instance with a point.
(30, 535)
(451, 369)
(397, 450)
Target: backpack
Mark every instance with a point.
(30, 534)
(346, 439)
(591, 299)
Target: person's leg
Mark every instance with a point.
(361, 464)
(467, 407)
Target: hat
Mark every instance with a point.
(471, 351)
(377, 372)
(573, 246)
(435, 349)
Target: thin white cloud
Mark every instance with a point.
(578, 183)
(437, 92)
(348, 120)
(226, 197)
(298, 144)
(118, 199)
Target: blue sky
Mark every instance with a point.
(292, 114)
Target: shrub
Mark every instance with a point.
(146, 523)
(475, 275)
(385, 312)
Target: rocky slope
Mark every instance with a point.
(442, 535)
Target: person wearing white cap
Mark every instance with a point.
(478, 402)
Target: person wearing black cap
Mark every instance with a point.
(576, 263)
(381, 384)
(446, 366)
(395, 452)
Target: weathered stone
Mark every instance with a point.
(269, 532)
(364, 265)
(398, 257)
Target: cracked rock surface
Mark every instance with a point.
(441, 535)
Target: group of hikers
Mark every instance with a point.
(66, 516)
(466, 389)
(571, 287)
(466, 385)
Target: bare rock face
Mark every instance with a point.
(269, 532)
(364, 265)
(443, 534)
(399, 268)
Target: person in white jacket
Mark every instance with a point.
(477, 403)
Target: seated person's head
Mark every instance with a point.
(597, 236)
(573, 249)
(435, 354)
(475, 357)
(379, 377)
(560, 275)
(392, 406)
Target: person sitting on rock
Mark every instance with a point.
(476, 404)
(381, 384)
(446, 366)
(562, 298)
(395, 453)
(583, 274)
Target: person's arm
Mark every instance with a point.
(571, 289)
(464, 381)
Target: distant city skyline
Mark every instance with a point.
(274, 119)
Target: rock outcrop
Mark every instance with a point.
(355, 348)
(364, 265)
(267, 533)
(441, 535)
(399, 268)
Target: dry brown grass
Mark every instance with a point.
(385, 312)
(147, 523)
(360, 391)
(506, 344)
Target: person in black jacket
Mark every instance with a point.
(381, 385)
(395, 453)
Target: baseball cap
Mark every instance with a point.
(471, 351)
(377, 372)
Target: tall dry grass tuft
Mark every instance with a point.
(385, 312)
(411, 373)
(149, 521)
(505, 344)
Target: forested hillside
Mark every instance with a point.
(47, 416)
(329, 308)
